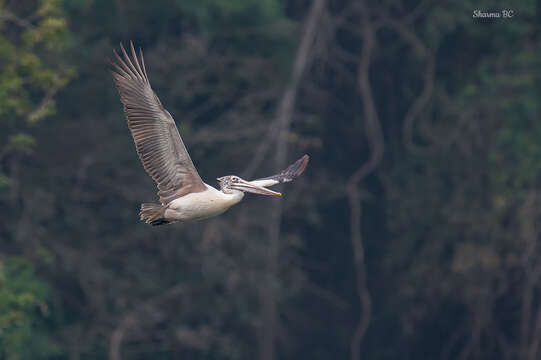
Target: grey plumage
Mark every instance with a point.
(157, 140)
(292, 171)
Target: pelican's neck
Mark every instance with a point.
(234, 196)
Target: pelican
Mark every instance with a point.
(183, 195)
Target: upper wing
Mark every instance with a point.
(154, 132)
(287, 175)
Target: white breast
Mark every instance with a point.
(201, 205)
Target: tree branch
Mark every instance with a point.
(130, 320)
(283, 121)
(428, 82)
(375, 139)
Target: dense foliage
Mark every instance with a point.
(412, 235)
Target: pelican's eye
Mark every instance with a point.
(234, 180)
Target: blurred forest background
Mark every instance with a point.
(413, 234)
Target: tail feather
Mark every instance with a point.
(152, 214)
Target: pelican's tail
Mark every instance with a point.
(152, 214)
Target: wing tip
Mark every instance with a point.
(302, 163)
(124, 65)
(296, 169)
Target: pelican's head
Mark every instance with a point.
(233, 182)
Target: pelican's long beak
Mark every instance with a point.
(252, 188)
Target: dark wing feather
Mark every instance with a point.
(154, 132)
(291, 173)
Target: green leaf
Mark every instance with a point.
(21, 142)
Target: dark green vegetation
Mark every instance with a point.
(413, 233)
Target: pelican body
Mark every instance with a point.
(202, 205)
(183, 195)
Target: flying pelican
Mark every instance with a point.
(183, 195)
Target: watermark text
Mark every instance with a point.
(502, 14)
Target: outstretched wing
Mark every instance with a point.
(287, 175)
(154, 132)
